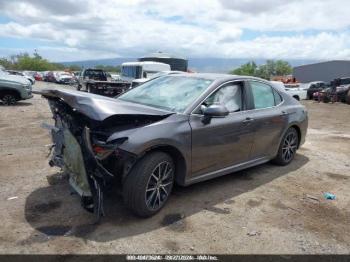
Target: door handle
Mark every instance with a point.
(284, 113)
(248, 120)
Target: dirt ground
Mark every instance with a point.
(263, 210)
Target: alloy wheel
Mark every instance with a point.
(159, 185)
(290, 145)
(9, 100)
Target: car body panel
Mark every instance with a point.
(221, 143)
(17, 84)
(205, 149)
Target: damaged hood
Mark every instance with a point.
(99, 107)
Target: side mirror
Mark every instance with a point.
(214, 111)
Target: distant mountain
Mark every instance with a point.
(217, 65)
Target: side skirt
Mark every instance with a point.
(227, 170)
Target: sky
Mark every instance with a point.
(73, 30)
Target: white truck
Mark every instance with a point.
(141, 70)
(294, 90)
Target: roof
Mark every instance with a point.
(324, 62)
(215, 76)
(162, 55)
(142, 63)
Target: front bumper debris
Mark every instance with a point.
(86, 175)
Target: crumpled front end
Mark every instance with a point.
(72, 152)
(88, 150)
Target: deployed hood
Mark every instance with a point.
(13, 79)
(99, 107)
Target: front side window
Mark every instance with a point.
(174, 93)
(230, 96)
(262, 95)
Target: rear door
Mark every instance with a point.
(268, 118)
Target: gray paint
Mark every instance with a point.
(199, 142)
(324, 71)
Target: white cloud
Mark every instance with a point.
(197, 28)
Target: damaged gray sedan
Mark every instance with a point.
(176, 129)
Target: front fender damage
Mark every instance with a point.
(89, 151)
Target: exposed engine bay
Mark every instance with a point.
(88, 149)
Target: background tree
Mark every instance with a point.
(248, 69)
(269, 69)
(24, 61)
(109, 68)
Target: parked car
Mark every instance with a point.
(14, 88)
(294, 90)
(49, 76)
(181, 129)
(38, 76)
(25, 75)
(63, 77)
(314, 87)
(342, 91)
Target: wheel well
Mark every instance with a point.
(299, 133)
(179, 161)
(8, 91)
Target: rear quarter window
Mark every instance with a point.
(263, 95)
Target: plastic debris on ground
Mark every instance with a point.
(329, 196)
(11, 198)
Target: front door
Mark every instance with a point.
(224, 141)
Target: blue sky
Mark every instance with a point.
(67, 30)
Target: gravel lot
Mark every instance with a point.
(265, 209)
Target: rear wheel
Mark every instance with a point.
(9, 99)
(149, 184)
(288, 147)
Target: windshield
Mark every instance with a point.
(94, 73)
(174, 93)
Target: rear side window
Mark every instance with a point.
(278, 98)
(263, 95)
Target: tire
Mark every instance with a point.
(287, 148)
(9, 99)
(348, 97)
(326, 99)
(137, 188)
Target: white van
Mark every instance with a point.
(138, 70)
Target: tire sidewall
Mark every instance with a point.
(9, 99)
(279, 159)
(134, 189)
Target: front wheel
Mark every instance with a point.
(9, 99)
(287, 148)
(149, 184)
